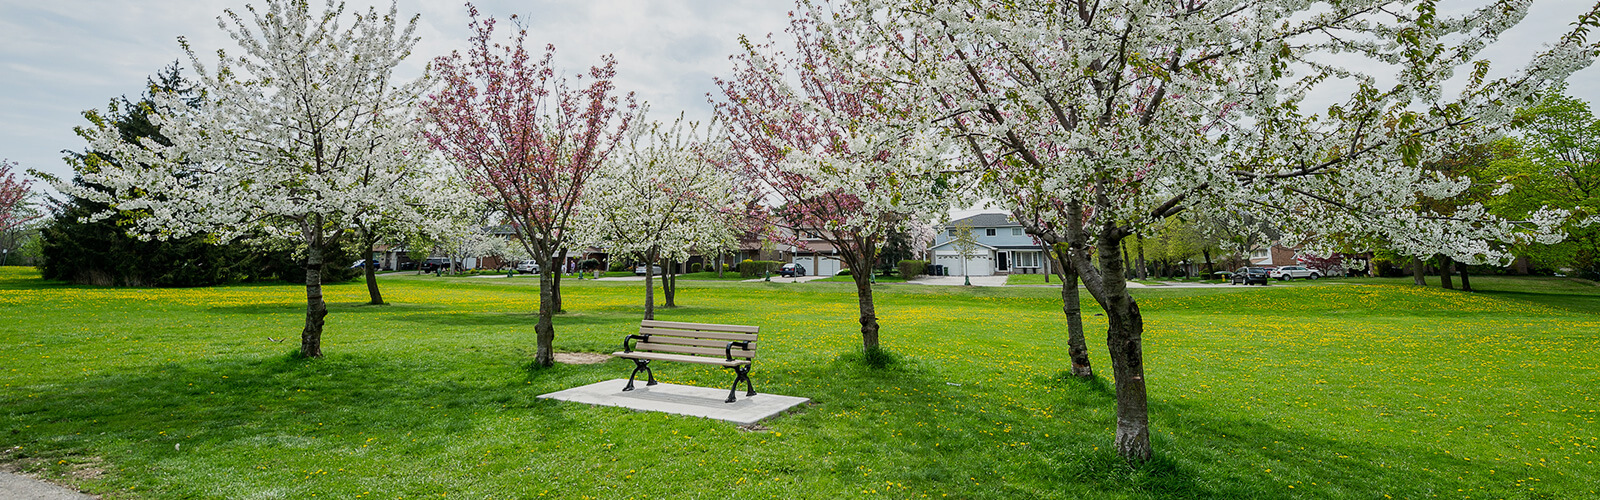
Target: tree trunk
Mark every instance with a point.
(1077, 347)
(368, 242)
(1144, 270)
(1124, 331)
(649, 285)
(1209, 266)
(869, 315)
(316, 309)
(719, 265)
(545, 330)
(1125, 258)
(669, 282)
(1418, 272)
(1466, 284)
(557, 264)
(1124, 339)
(1446, 267)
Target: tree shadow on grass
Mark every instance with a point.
(1571, 302)
(1199, 453)
(299, 307)
(982, 439)
(140, 416)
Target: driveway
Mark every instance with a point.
(781, 279)
(959, 281)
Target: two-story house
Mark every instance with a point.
(1003, 248)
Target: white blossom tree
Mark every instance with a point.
(1129, 112)
(304, 131)
(663, 197)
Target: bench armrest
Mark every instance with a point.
(728, 351)
(626, 338)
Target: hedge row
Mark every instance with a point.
(756, 268)
(912, 268)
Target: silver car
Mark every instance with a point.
(1295, 272)
(527, 266)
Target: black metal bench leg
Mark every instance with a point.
(640, 364)
(741, 373)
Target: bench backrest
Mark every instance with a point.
(700, 339)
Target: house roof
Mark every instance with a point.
(952, 244)
(986, 220)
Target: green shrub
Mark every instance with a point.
(758, 268)
(589, 265)
(695, 267)
(912, 268)
(843, 272)
(618, 265)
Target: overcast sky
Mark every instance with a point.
(61, 57)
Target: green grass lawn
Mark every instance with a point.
(1032, 279)
(712, 276)
(1327, 390)
(849, 279)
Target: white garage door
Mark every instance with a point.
(819, 266)
(828, 266)
(810, 263)
(979, 265)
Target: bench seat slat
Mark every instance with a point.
(697, 334)
(682, 358)
(684, 349)
(700, 326)
(663, 339)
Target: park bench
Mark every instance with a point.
(728, 346)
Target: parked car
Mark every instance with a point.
(1248, 275)
(792, 270)
(1295, 272)
(527, 266)
(360, 263)
(654, 271)
(435, 264)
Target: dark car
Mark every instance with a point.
(1248, 275)
(435, 264)
(792, 270)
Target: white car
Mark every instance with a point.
(1295, 272)
(527, 266)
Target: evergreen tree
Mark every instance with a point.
(77, 248)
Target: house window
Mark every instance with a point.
(952, 233)
(988, 232)
(1027, 259)
(1016, 231)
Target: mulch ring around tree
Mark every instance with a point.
(581, 358)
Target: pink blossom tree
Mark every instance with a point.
(15, 209)
(819, 156)
(527, 140)
(14, 193)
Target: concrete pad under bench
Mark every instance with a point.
(707, 402)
